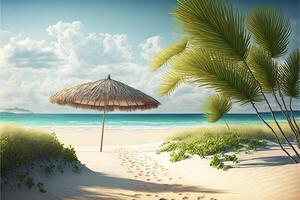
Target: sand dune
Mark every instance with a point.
(129, 168)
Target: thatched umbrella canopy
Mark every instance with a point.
(105, 95)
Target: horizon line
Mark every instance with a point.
(135, 112)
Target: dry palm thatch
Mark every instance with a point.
(105, 95)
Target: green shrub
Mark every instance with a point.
(29, 182)
(216, 162)
(24, 149)
(41, 187)
(210, 144)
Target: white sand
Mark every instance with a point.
(129, 168)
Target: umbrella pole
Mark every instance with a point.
(103, 123)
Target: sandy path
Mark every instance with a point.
(166, 186)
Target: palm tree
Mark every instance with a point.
(216, 107)
(291, 81)
(217, 54)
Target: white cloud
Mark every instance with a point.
(32, 70)
(89, 49)
(26, 52)
(149, 47)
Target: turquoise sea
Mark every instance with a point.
(128, 120)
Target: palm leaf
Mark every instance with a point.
(213, 24)
(171, 80)
(264, 67)
(290, 74)
(270, 29)
(164, 55)
(213, 71)
(216, 107)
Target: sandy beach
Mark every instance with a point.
(129, 168)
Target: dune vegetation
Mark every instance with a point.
(216, 52)
(219, 144)
(25, 151)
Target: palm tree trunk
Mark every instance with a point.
(289, 113)
(291, 109)
(226, 123)
(103, 123)
(271, 110)
(295, 122)
(287, 118)
(274, 133)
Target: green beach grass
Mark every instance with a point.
(250, 131)
(25, 150)
(218, 143)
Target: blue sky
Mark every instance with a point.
(139, 19)
(136, 18)
(48, 45)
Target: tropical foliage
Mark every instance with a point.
(219, 56)
(203, 25)
(164, 56)
(216, 107)
(270, 30)
(290, 78)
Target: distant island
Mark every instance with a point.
(15, 110)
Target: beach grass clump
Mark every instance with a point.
(25, 151)
(215, 144)
(254, 131)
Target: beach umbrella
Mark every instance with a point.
(105, 95)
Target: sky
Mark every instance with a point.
(49, 45)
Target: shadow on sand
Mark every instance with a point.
(267, 161)
(91, 179)
(94, 185)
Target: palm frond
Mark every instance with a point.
(213, 71)
(171, 80)
(213, 24)
(290, 75)
(265, 69)
(164, 55)
(270, 29)
(216, 107)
